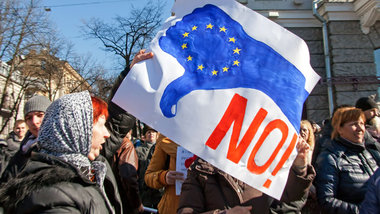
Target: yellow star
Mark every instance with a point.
(225, 69)
(194, 28)
(200, 67)
(236, 62)
(189, 58)
(209, 26)
(186, 34)
(214, 72)
(237, 50)
(232, 39)
(222, 29)
(184, 46)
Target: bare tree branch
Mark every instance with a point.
(127, 35)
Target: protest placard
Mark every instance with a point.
(228, 85)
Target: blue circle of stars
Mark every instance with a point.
(236, 51)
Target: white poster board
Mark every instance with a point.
(228, 85)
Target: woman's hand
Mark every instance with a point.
(301, 160)
(141, 208)
(140, 56)
(240, 210)
(172, 176)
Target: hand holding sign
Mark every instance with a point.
(140, 56)
(239, 210)
(218, 74)
(303, 150)
(172, 176)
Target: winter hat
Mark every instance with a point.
(365, 103)
(66, 133)
(36, 103)
(148, 128)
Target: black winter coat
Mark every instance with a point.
(119, 121)
(13, 143)
(371, 203)
(49, 185)
(209, 190)
(343, 170)
(118, 124)
(18, 160)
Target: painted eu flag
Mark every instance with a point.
(217, 54)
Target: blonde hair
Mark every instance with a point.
(311, 138)
(344, 115)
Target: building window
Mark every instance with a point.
(377, 62)
(43, 64)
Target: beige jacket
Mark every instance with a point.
(156, 172)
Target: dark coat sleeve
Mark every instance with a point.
(295, 193)
(297, 186)
(129, 180)
(50, 188)
(16, 162)
(127, 171)
(371, 203)
(327, 182)
(192, 189)
(192, 199)
(119, 123)
(15, 165)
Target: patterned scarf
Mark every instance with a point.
(66, 132)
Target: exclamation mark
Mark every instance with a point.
(285, 157)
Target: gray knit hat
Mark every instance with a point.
(36, 103)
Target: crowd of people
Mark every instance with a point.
(78, 155)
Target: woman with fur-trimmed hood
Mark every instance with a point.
(66, 176)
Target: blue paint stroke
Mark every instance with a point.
(252, 65)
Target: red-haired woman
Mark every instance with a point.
(345, 166)
(66, 176)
